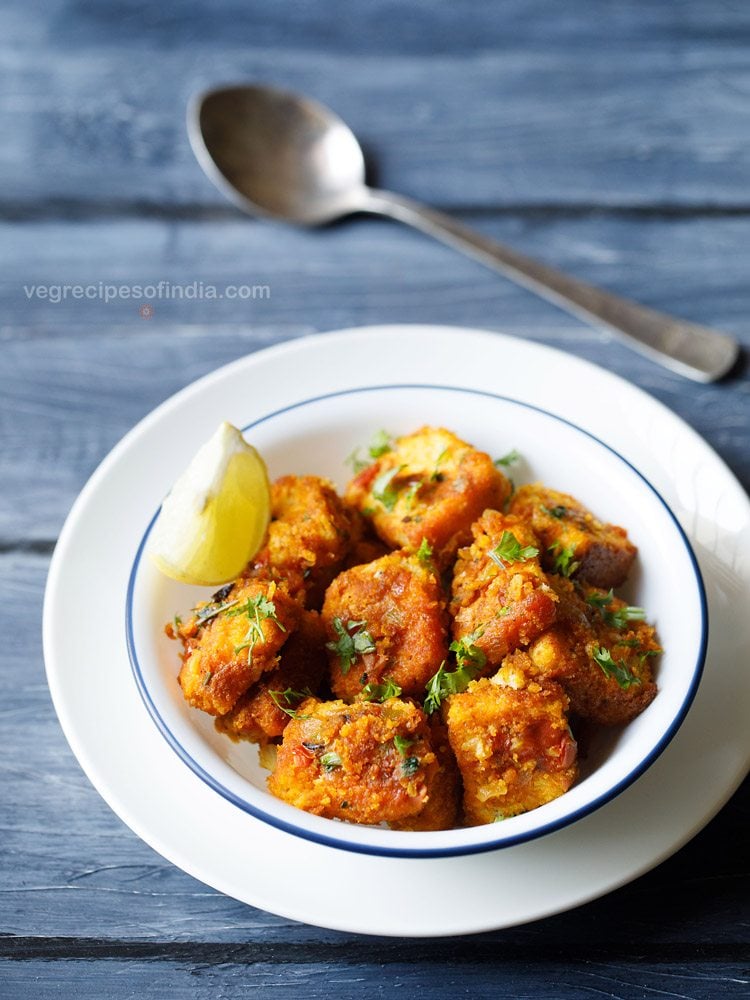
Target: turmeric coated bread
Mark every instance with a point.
(600, 650)
(368, 763)
(264, 711)
(386, 622)
(232, 641)
(310, 535)
(513, 745)
(428, 485)
(574, 542)
(421, 652)
(501, 595)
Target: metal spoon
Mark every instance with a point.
(283, 156)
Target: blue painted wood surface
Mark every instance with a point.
(611, 140)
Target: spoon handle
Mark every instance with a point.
(694, 351)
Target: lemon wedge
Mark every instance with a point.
(215, 517)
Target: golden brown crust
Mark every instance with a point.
(344, 762)
(219, 666)
(403, 608)
(603, 551)
(513, 746)
(259, 715)
(441, 810)
(566, 654)
(435, 486)
(503, 745)
(510, 603)
(309, 537)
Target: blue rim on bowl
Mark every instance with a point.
(491, 843)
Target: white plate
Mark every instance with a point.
(174, 811)
(315, 436)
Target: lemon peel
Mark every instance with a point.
(216, 515)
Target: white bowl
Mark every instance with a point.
(314, 436)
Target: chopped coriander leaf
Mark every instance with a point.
(617, 670)
(424, 552)
(207, 678)
(290, 697)
(330, 761)
(510, 550)
(381, 443)
(176, 625)
(382, 489)
(556, 512)
(503, 611)
(381, 692)
(564, 563)
(437, 475)
(435, 689)
(410, 766)
(258, 610)
(355, 462)
(445, 683)
(619, 618)
(601, 600)
(411, 493)
(402, 744)
(649, 652)
(510, 459)
(350, 644)
(467, 654)
(209, 611)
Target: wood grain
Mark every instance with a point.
(610, 142)
(75, 871)
(59, 420)
(364, 271)
(461, 104)
(514, 980)
(77, 375)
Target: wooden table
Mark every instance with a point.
(610, 139)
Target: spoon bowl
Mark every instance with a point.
(278, 155)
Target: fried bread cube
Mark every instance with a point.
(366, 763)
(574, 541)
(386, 621)
(444, 795)
(309, 537)
(231, 642)
(263, 713)
(501, 598)
(599, 654)
(430, 485)
(513, 747)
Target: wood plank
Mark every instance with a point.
(361, 27)
(542, 113)
(362, 271)
(73, 869)
(149, 980)
(462, 104)
(76, 376)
